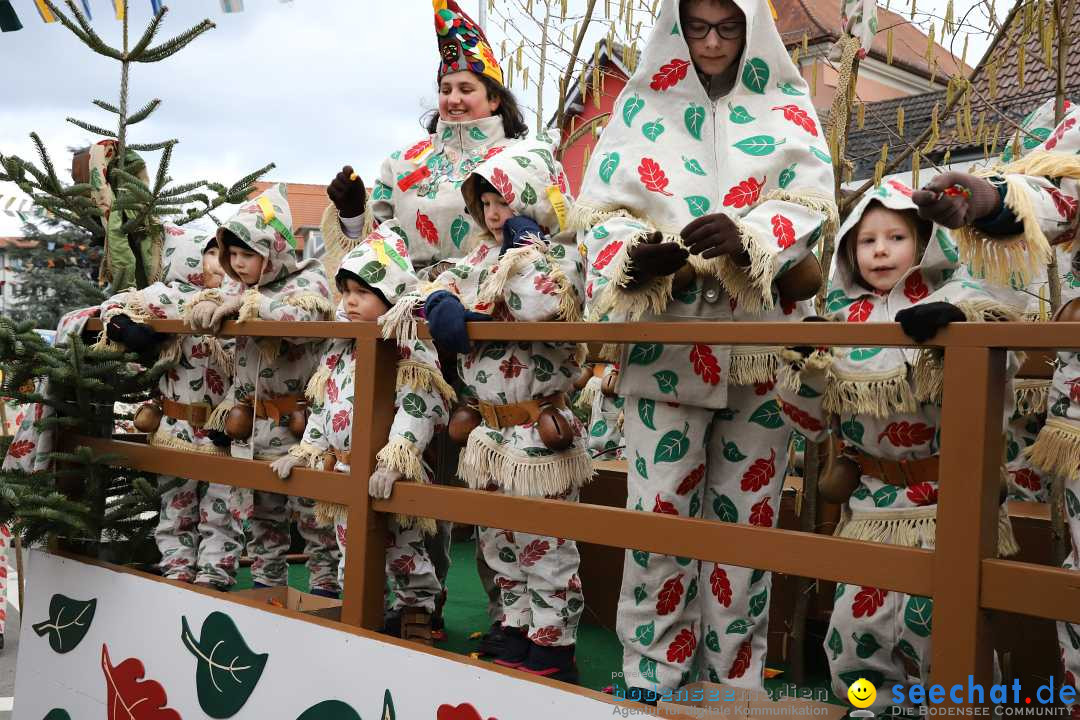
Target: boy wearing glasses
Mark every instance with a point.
(711, 185)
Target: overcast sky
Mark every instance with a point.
(310, 85)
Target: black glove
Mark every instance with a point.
(955, 199)
(518, 231)
(446, 318)
(921, 322)
(712, 235)
(132, 335)
(807, 350)
(347, 194)
(652, 258)
(219, 438)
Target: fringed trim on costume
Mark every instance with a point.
(1031, 396)
(998, 258)
(611, 352)
(212, 294)
(621, 421)
(329, 514)
(508, 264)
(399, 323)
(585, 217)
(224, 360)
(401, 455)
(789, 374)
(316, 387)
(216, 421)
(589, 392)
(929, 372)
(751, 286)
(334, 236)
(652, 297)
(134, 308)
(988, 311)
(421, 376)
(1057, 449)
(249, 306)
(879, 395)
(570, 305)
(752, 368)
(911, 527)
(165, 439)
(312, 303)
(483, 461)
(173, 350)
(307, 453)
(814, 202)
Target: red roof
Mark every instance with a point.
(16, 242)
(307, 201)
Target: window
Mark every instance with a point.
(314, 247)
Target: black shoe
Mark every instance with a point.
(491, 644)
(642, 695)
(515, 648)
(323, 592)
(391, 625)
(553, 662)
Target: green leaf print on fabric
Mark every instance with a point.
(807, 392)
(382, 191)
(667, 382)
(948, 247)
(836, 645)
(639, 465)
(693, 166)
(673, 446)
(691, 590)
(1072, 503)
(507, 555)
(648, 669)
(644, 634)
(1036, 137)
(653, 130)
(885, 496)
(755, 75)
(767, 415)
(542, 368)
(695, 505)
(645, 353)
(861, 492)
(513, 300)
(641, 557)
(477, 134)
(758, 603)
(372, 272)
(739, 114)
(789, 89)
(712, 640)
(860, 354)
(694, 119)
(908, 650)
(917, 615)
(524, 162)
(57, 714)
(756, 576)
(724, 508)
(608, 165)
(1060, 408)
(698, 204)
(538, 600)
(69, 621)
(227, 670)
(823, 157)
(640, 593)
(759, 145)
(1074, 638)
(414, 405)
(631, 108)
(836, 301)
(528, 195)
(732, 452)
(459, 230)
(865, 645)
(599, 428)
(787, 175)
(738, 627)
(852, 430)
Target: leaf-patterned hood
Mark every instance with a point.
(530, 181)
(181, 256)
(382, 261)
(671, 154)
(264, 224)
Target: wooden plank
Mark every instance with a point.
(1029, 589)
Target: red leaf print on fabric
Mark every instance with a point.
(511, 367)
(20, 448)
(544, 285)
(692, 480)
(762, 388)
(157, 312)
(761, 513)
(799, 117)
(1074, 389)
(493, 152)
(605, 256)
(682, 647)
(663, 506)
(546, 635)
(464, 711)
(859, 311)
(760, 473)
(426, 228)
(1026, 478)
(502, 183)
(652, 177)
(182, 500)
(867, 601)
(922, 494)
(721, 586)
(341, 420)
(670, 595)
(905, 434)
(332, 390)
(670, 75)
(800, 417)
(505, 583)
(745, 193)
(1066, 206)
(403, 565)
(705, 364)
(416, 149)
(332, 361)
(915, 287)
(783, 230)
(533, 552)
(200, 350)
(1059, 132)
(742, 662)
(128, 696)
(214, 381)
(900, 187)
(479, 254)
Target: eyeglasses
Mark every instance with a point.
(727, 30)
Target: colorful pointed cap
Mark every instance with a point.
(462, 44)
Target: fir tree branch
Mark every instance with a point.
(91, 128)
(148, 35)
(84, 31)
(107, 106)
(174, 45)
(145, 111)
(151, 147)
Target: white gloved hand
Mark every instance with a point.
(227, 309)
(202, 315)
(284, 465)
(381, 483)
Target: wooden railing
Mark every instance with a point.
(963, 575)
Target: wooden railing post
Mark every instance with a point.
(373, 403)
(967, 517)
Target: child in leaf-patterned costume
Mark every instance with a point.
(521, 272)
(605, 413)
(266, 398)
(887, 405)
(704, 193)
(199, 531)
(1010, 218)
(372, 278)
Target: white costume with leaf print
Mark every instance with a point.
(423, 401)
(199, 531)
(605, 418)
(287, 291)
(887, 404)
(672, 154)
(540, 281)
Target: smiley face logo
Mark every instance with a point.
(862, 693)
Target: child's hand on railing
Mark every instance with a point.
(132, 335)
(284, 465)
(922, 322)
(381, 483)
(446, 318)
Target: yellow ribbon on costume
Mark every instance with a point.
(119, 5)
(558, 204)
(772, 9)
(384, 251)
(270, 218)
